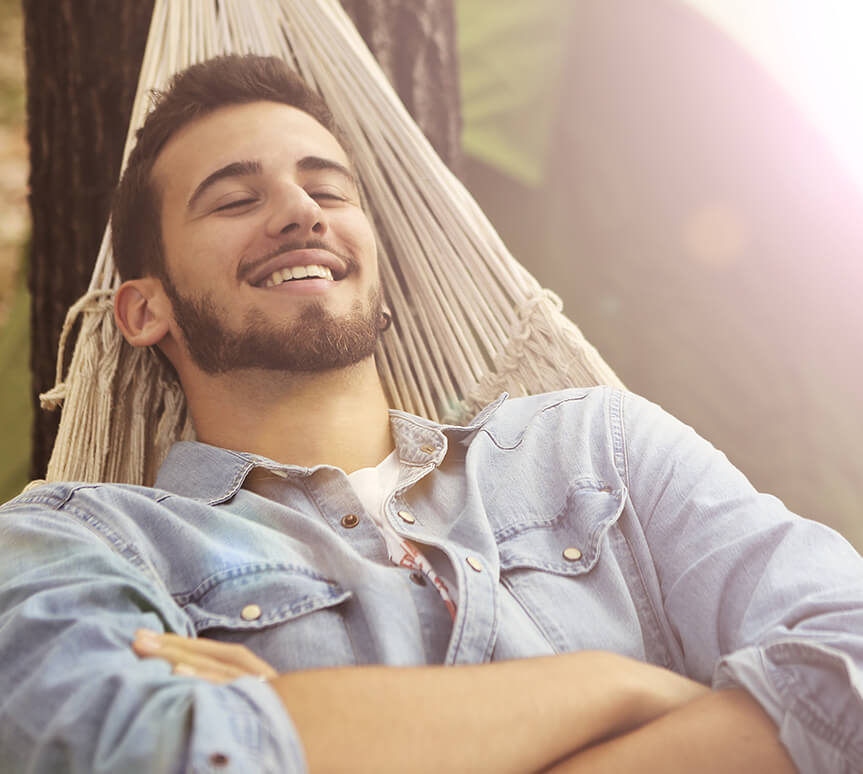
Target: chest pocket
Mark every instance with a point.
(568, 542)
(291, 616)
(571, 572)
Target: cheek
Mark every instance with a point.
(357, 234)
(203, 256)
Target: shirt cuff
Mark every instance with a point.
(812, 694)
(256, 732)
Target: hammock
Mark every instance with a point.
(469, 320)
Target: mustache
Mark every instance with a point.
(247, 268)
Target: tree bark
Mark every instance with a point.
(83, 58)
(415, 43)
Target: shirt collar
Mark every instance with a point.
(214, 475)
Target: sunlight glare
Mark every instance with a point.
(813, 50)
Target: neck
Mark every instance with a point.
(335, 418)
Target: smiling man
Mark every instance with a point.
(572, 582)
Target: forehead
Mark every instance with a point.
(270, 132)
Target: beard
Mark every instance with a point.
(316, 341)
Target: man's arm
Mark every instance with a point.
(756, 597)
(719, 733)
(510, 717)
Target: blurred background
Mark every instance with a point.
(686, 174)
(15, 401)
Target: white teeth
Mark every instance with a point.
(297, 272)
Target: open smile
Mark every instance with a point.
(297, 274)
(296, 265)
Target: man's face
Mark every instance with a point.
(252, 195)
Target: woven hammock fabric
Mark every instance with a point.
(470, 321)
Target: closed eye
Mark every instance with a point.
(327, 193)
(235, 204)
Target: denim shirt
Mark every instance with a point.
(584, 519)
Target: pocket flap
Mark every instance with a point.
(568, 542)
(257, 596)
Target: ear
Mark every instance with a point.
(142, 311)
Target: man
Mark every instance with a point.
(318, 583)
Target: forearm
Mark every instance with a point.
(722, 733)
(513, 717)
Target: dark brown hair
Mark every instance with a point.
(193, 93)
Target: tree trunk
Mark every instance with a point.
(415, 43)
(83, 58)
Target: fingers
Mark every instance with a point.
(185, 661)
(217, 662)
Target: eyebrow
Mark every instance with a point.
(234, 169)
(312, 163)
(245, 168)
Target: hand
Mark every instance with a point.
(217, 662)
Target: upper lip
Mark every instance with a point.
(255, 272)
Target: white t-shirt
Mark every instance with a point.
(372, 486)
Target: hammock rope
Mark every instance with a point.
(469, 320)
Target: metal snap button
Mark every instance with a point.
(219, 759)
(251, 613)
(407, 517)
(350, 520)
(428, 449)
(572, 554)
(474, 563)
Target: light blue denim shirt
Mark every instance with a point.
(585, 519)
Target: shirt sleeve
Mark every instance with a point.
(73, 695)
(756, 596)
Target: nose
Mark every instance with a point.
(295, 213)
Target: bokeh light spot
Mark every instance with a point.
(715, 235)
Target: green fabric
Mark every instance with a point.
(510, 61)
(16, 411)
